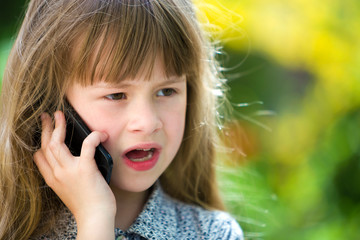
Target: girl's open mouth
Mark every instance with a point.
(142, 157)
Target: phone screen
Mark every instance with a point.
(76, 132)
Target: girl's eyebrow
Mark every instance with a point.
(176, 79)
(129, 83)
(122, 84)
(171, 80)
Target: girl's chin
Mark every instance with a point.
(131, 185)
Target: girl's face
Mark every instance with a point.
(144, 119)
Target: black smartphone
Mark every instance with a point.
(76, 132)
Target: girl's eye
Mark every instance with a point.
(166, 92)
(116, 96)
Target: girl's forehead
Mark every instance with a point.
(139, 82)
(94, 60)
(152, 68)
(130, 42)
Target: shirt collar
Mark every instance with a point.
(158, 218)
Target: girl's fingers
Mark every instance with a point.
(59, 132)
(46, 138)
(43, 165)
(57, 146)
(52, 140)
(53, 148)
(90, 143)
(76, 180)
(47, 129)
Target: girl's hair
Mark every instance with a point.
(61, 41)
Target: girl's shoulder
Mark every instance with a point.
(210, 224)
(168, 218)
(163, 217)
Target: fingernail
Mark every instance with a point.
(56, 115)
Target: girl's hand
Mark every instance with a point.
(76, 180)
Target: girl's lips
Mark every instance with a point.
(142, 161)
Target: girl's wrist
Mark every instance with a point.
(96, 226)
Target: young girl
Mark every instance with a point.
(141, 75)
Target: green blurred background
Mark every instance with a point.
(291, 169)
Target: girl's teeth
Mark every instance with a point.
(146, 150)
(138, 157)
(149, 156)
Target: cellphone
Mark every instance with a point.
(76, 132)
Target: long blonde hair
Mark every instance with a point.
(62, 40)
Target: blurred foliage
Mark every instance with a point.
(4, 53)
(11, 13)
(300, 58)
(293, 164)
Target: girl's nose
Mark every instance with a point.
(144, 118)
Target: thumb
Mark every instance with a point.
(90, 143)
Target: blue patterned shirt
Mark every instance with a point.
(166, 218)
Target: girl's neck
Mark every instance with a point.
(129, 205)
